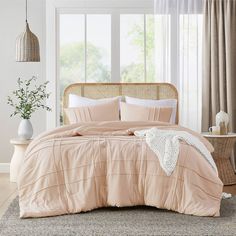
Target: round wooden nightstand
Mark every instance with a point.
(223, 146)
(18, 157)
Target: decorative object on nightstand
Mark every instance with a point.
(223, 146)
(18, 157)
(214, 130)
(29, 97)
(222, 121)
(25, 129)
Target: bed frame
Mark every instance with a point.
(106, 90)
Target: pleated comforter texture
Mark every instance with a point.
(84, 166)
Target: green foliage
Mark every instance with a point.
(135, 72)
(72, 65)
(137, 35)
(72, 60)
(25, 100)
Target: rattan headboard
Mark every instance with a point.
(105, 90)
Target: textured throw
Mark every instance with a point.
(165, 144)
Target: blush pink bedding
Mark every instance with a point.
(89, 165)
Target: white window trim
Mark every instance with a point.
(53, 9)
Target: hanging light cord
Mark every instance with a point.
(26, 12)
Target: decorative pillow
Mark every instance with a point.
(131, 112)
(155, 103)
(78, 101)
(108, 111)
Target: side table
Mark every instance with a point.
(223, 146)
(18, 157)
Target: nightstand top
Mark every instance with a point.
(19, 141)
(229, 135)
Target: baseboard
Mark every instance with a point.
(4, 167)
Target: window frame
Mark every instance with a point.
(114, 7)
(53, 10)
(84, 13)
(115, 34)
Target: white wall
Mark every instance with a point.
(12, 23)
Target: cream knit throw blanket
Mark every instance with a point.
(165, 144)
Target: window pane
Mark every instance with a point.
(85, 49)
(98, 48)
(132, 48)
(72, 50)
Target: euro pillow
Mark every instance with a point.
(155, 103)
(131, 112)
(108, 111)
(78, 101)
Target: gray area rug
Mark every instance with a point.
(121, 221)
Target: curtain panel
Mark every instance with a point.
(178, 54)
(219, 81)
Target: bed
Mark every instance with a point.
(80, 167)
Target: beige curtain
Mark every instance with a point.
(219, 51)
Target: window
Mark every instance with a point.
(124, 41)
(86, 48)
(137, 48)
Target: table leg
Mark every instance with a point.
(16, 161)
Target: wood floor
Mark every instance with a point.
(8, 191)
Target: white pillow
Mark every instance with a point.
(155, 103)
(78, 101)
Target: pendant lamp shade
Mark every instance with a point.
(27, 45)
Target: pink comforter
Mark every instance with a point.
(89, 165)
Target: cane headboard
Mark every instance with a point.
(106, 90)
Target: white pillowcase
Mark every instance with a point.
(78, 101)
(155, 103)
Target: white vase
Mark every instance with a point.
(25, 129)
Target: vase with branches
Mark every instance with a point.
(27, 99)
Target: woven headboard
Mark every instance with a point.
(106, 90)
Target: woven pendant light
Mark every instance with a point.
(27, 45)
